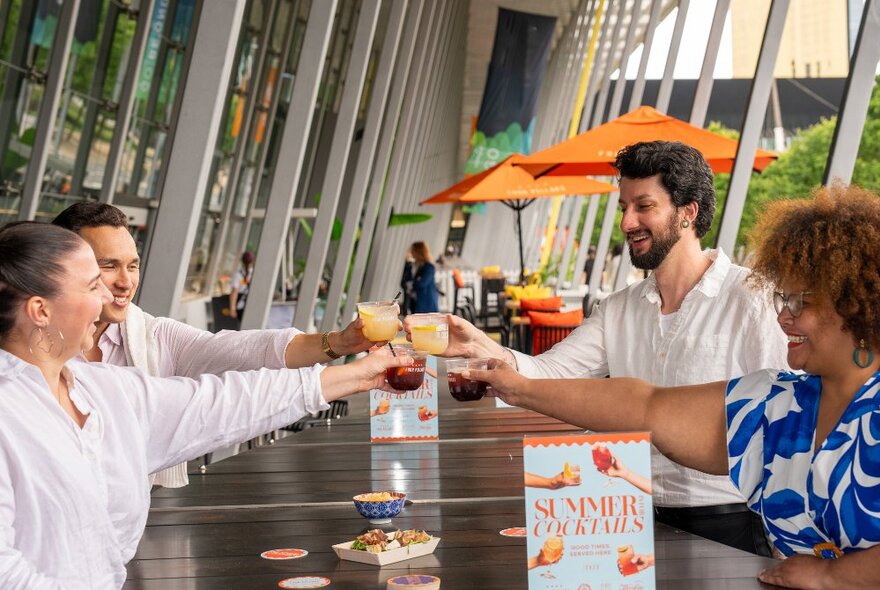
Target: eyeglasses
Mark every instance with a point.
(793, 301)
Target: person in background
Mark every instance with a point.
(693, 320)
(78, 439)
(803, 448)
(127, 336)
(406, 283)
(424, 285)
(241, 287)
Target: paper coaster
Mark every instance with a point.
(413, 581)
(517, 531)
(305, 582)
(284, 554)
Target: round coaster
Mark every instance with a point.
(517, 531)
(305, 582)
(284, 554)
(413, 581)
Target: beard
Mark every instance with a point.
(661, 244)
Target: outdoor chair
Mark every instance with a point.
(463, 298)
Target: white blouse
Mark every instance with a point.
(74, 502)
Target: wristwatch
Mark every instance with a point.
(325, 346)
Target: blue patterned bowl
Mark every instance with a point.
(379, 512)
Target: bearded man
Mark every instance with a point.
(693, 320)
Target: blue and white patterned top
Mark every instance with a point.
(806, 497)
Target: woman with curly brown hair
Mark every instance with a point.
(804, 449)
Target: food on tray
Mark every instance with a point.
(376, 541)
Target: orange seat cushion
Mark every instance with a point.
(543, 304)
(456, 276)
(563, 318)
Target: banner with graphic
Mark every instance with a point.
(507, 114)
(589, 515)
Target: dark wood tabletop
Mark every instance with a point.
(464, 488)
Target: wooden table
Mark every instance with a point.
(464, 489)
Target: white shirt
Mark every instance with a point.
(724, 329)
(183, 351)
(74, 502)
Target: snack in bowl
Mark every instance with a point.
(379, 511)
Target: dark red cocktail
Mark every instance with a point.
(466, 390)
(407, 378)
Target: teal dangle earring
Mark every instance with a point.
(857, 355)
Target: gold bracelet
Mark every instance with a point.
(325, 346)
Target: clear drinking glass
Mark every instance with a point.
(430, 332)
(380, 319)
(466, 390)
(407, 378)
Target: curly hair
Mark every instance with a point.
(683, 170)
(830, 244)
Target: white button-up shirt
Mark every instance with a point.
(74, 502)
(181, 350)
(724, 329)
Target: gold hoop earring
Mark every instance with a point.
(685, 224)
(45, 342)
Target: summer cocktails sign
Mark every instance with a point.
(589, 514)
(408, 414)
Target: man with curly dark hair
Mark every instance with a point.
(693, 320)
(804, 449)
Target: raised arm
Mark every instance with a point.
(307, 349)
(687, 423)
(183, 418)
(467, 340)
(195, 352)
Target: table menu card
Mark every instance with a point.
(406, 415)
(589, 515)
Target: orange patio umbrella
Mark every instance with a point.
(594, 151)
(517, 189)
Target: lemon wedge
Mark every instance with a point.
(366, 314)
(566, 470)
(425, 328)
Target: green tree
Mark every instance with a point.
(800, 168)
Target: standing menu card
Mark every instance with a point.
(589, 514)
(406, 415)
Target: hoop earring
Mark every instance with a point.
(857, 355)
(44, 342)
(685, 224)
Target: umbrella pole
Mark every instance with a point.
(522, 258)
(518, 206)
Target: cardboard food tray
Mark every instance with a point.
(344, 551)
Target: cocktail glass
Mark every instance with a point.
(380, 320)
(430, 332)
(407, 378)
(552, 552)
(603, 460)
(625, 554)
(462, 389)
